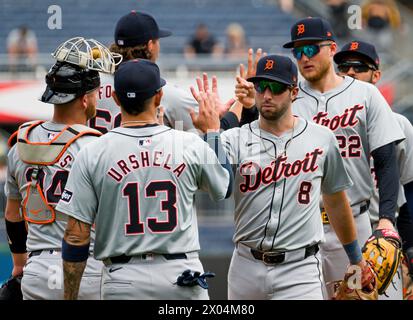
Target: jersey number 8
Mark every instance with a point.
(304, 192)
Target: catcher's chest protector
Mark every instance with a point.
(36, 209)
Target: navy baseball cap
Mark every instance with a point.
(276, 68)
(358, 48)
(136, 81)
(310, 29)
(137, 28)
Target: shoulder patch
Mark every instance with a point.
(66, 196)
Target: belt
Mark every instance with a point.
(51, 251)
(125, 259)
(363, 208)
(39, 252)
(270, 258)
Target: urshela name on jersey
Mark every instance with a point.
(145, 159)
(254, 175)
(347, 119)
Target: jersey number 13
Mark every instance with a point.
(135, 225)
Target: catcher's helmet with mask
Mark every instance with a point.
(66, 82)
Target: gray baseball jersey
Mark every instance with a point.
(277, 205)
(362, 121)
(138, 184)
(175, 100)
(405, 162)
(51, 178)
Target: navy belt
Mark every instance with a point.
(125, 259)
(365, 207)
(39, 252)
(269, 257)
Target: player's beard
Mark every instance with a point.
(319, 72)
(280, 111)
(91, 102)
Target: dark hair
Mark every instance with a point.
(129, 53)
(137, 107)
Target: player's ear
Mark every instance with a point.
(294, 93)
(150, 45)
(84, 101)
(376, 76)
(333, 48)
(158, 98)
(115, 97)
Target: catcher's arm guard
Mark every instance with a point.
(383, 252)
(11, 289)
(361, 286)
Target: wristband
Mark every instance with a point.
(71, 253)
(353, 252)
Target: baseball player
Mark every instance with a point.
(137, 185)
(38, 166)
(137, 36)
(360, 60)
(363, 124)
(282, 165)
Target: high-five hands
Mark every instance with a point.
(207, 119)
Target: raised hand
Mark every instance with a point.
(252, 63)
(207, 119)
(245, 92)
(221, 107)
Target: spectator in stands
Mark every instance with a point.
(202, 42)
(380, 14)
(286, 5)
(22, 49)
(236, 43)
(381, 22)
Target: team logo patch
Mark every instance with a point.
(131, 94)
(354, 46)
(300, 29)
(269, 65)
(66, 196)
(144, 142)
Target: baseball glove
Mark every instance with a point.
(383, 252)
(11, 289)
(347, 289)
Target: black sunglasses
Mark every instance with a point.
(275, 87)
(358, 66)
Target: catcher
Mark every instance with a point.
(39, 162)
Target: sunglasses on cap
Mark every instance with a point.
(275, 87)
(358, 66)
(310, 50)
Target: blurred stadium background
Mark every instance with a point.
(267, 26)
